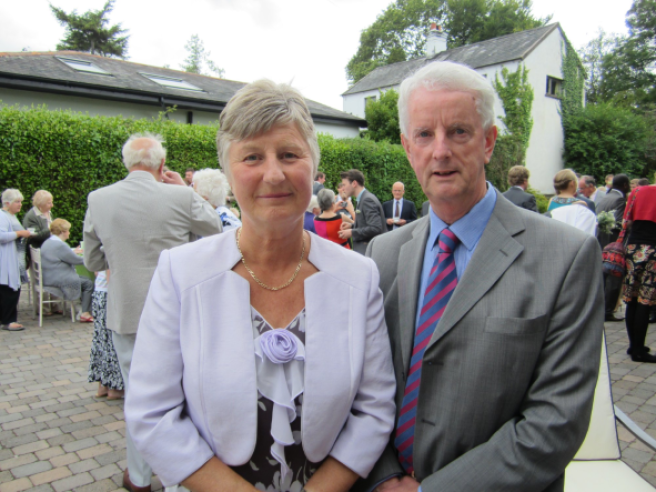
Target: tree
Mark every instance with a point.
(198, 57)
(90, 32)
(471, 21)
(383, 118)
(604, 139)
(592, 57)
(399, 33)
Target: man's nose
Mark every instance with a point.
(441, 147)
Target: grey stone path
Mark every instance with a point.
(55, 435)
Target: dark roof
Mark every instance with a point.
(516, 46)
(43, 71)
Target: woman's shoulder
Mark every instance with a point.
(344, 264)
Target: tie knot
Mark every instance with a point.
(447, 241)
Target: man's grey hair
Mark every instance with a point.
(313, 204)
(449, 76)
(589, 181)
(325, 199)
(212, 185)
(11, 195)
(257, 108)
(148, 156)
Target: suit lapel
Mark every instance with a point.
(496, 251)
(410, 262)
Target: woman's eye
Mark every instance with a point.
(251, 158)
(289, 155)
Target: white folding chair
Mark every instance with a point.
(40, 289)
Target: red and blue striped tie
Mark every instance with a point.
(440, 286)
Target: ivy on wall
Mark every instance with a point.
(573, 83)
(516, 96)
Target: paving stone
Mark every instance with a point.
(63, 439)
(106, 485)
(42, 488)
(64, 459)
(83, 466)
(48, 453)
(105, 471)
(77, 445)
(71, 482)
(6, 476)
(16, 485)
(31, 469)
(21, 460)
(107, 458)
(31, 447)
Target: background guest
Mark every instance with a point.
(640, 280)
(319, 180)
(399, 211)
(58, 262)
(602, 190)
(344, 203)
(566, 185)
(189, 176)
(11, 232)
(39, 218)
(588, 188)
(103, 363)
(213, 186)
(517, 194)
(311, 212)
(328, 223)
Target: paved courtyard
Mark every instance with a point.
(56, 435)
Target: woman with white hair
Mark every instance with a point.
(39, 218)
(11, 233)
(329, 222)
(235, 346)
(310, 213)
(213, 186)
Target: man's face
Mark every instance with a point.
(397, 191)
(189, 177)
(447, 147)
(609, 181)
(585, 189)
(347, 187)
(321, 180)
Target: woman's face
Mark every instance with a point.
(15, 207)
(65, 235)
(46, 206)
(271, 175)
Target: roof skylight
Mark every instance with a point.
(171, 82)
(83, 66)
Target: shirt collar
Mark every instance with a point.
(360, 194)
(41, 214)
(470, 227)
(56, 238)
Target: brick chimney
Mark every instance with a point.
(435, 41)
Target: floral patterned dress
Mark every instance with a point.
(263, 470)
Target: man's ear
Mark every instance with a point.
(490, 141)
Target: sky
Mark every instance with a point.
(305, 42)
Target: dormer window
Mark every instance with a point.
(82, 66)
(554, 87)
(171, 83)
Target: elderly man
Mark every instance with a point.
(369, 215)
(494, 312)
(518, 181)
(127, 225)
(588, 188)
(399, 212)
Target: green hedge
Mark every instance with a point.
(71, 154)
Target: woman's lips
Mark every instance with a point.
(275, 195)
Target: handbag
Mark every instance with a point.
(613, 256)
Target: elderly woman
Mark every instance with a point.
(213, 186)
(58, 266)
(11, 232)
(311, 212)
(328, 223)
(39, 218)
(240, 381)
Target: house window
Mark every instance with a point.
(554, 87)
(83, 66)
(172, 83)
(369, 99)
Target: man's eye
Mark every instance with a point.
(459, 131)
(424, 134)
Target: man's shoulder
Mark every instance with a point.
(368, 195)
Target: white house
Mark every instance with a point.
(110, 87)
(540, 50)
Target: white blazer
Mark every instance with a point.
(193, 389)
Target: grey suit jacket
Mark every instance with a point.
(134, 220)
(509, 374)
(612, 201)
(58, 267)
(521, 198)
(369, 221)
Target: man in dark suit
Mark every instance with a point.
(614, 201)
(369, 215)
(399, 212)
(494, 313)
(319, 180)
(518, 181)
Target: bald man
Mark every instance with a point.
(399, 212)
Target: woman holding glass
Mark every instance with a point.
(235, 350)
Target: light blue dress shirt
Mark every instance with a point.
(468, 229)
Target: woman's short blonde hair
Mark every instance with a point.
(59, 226)
(257, 108)
(41, 197)
(11, 195)
(562, 179)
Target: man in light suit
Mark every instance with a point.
(613, 201)
(518, 181)
(127, 226)
(494, 313)
(399, 212)
(369, 215)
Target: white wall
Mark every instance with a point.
(337, 131)
(354, 103)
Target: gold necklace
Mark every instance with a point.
(259, 282)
